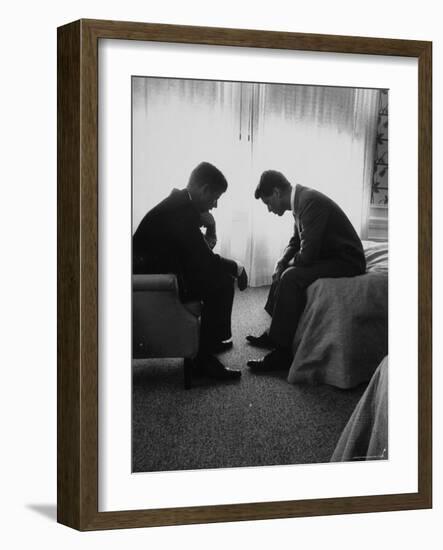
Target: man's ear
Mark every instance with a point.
(204, 189)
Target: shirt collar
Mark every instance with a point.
(293, 197)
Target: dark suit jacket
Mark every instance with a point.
(322, 232)
(169, 240)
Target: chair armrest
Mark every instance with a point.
(162, 325)
(160, 281)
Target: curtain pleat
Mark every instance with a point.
(322, 137)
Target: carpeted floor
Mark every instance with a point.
(257, 421)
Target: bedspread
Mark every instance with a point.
(343, 333)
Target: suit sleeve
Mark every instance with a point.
(313, 222)
(199, 262)
(293, 246)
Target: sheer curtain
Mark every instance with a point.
(322, 137)
(176, 125)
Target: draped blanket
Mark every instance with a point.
(343, 333)
(365, 436)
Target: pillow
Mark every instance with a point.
(376, 254)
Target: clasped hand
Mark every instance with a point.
(278, 270)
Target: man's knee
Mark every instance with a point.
(227, 281)
(292, 276)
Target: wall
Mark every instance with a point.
(28, 118)
(378, 212)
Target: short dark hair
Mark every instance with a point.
(207, 174)
(270, 180)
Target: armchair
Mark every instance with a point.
(162, 325)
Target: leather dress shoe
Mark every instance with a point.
(210, 366)
(274, 361)
(220, 347)
(262, 341)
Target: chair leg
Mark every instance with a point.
(188, 373)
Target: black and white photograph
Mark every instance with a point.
(259, 274)
(160, 160)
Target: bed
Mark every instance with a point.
(343, 333)
(365, 436)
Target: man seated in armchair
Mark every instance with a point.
(169, 240)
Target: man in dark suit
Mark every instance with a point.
(169, 240)
(324, 244)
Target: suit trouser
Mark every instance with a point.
(215, 324)
(287, 297)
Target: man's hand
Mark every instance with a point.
(242, 280)
(211, 240)
(278, 270)
(207, 220)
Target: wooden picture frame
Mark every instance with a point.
(77, 455)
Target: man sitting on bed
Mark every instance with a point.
(324, 245)
(169, 240)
